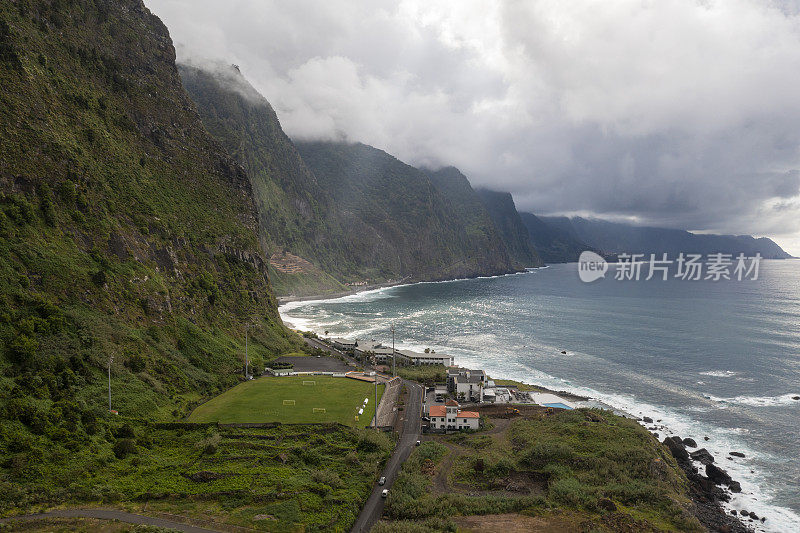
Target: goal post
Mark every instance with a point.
(309, 382)
(288, 402)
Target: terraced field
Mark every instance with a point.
(284, 478)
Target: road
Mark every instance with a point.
(373, 509)
(110, 514)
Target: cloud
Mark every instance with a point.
(675, 112)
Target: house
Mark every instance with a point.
(449, 416)
(420, 358)
(467, 384)
(440, 391)
(344, 345)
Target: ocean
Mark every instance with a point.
(708, 359)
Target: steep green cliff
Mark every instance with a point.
(295, 213)
(500, 206)
(403, 225)
(478, 224)
(125, 231)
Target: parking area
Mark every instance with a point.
(313, 363)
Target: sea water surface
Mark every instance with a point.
(709, 359)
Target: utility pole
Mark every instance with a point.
(394, 356)
(110, 360)
(246, 359)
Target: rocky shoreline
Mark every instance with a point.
(707, 491)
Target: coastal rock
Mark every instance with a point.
(733, 512)
(564, 352)
(718, 475)
(647, 420)
(735, 486)
(702, 455)
(753, 515)
(737, 454)
(690, 442)
(677, 449)
(744, 512)
(705, 438)
(795, 397)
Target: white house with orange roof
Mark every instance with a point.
(449, 416)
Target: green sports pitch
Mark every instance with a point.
(292, 399)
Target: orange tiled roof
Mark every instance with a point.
(451, 403)
(438, 410)
(468, 414)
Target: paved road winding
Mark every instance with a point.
(110, 514)
(373, 509)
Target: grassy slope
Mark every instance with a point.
(261, 400)
(125, 230)
(583, 456)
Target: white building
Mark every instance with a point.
(449, 416)
(467, 384)
(420, 358)
(344, 345)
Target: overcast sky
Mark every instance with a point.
(682, 113)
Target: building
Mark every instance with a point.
(420, 358)
(344, 345)
(449, 416)
(466, 384)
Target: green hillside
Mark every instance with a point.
(125, 231)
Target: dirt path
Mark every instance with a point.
(111, 514)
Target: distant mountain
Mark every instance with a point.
(555, 241)
(615, 237)
(500, 206)
(403, 226)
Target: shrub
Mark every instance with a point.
(544, 453)
(124, 447)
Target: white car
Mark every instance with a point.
(384, 493)
(382, 480)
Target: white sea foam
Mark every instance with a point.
(719, 373)
(759, 401)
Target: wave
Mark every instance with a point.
(719, 373)
(759, 401)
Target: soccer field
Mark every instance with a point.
(289, 400)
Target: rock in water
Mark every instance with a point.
(690, 442)
(795, 397)
(703, 456)
(737, 454)
(735, 486)
(647, 420)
